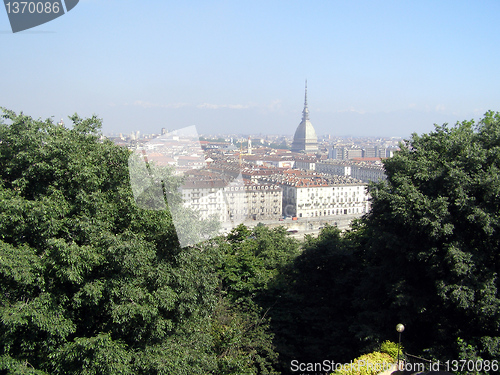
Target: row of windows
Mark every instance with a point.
(341, 200)
(197, 195)
(258, 187)
(256, 210)
(344, 211)
(325, 206)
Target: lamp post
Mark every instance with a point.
(400, 328)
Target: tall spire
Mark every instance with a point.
(305, 138)
(305, 112)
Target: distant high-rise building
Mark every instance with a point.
(370, 152)
(163, 131)
(333, 153)
(305, 138)
(351, 153)
(344, 153)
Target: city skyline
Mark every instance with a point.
(373, 68)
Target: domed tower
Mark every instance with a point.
(305, 138)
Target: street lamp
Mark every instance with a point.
(400, 328)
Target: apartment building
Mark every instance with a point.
(313, 194)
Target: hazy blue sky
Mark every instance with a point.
(373, 67)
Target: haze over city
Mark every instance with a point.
(373, 68)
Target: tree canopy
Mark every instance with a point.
(431, 240)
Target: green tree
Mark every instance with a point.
(311, 302)
(251, 259)
(431, 242)
(89, 282)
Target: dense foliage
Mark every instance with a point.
(367, 364)
(89, 282)
(432, 240)
(310, 303)
(251, 260)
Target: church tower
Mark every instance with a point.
(305, 138)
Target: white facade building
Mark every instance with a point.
(368, 172)
(363, 171)
(206, 198)
(334, 167)
(229, 202)
(314, 201)
(314, 195)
